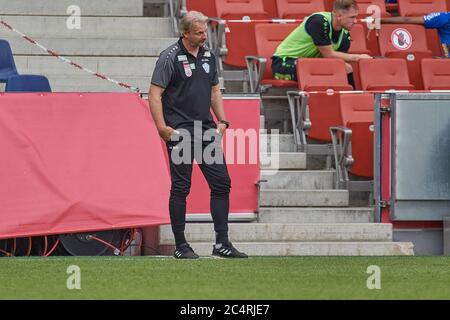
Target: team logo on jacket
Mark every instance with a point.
(206, 67)
(187, 69)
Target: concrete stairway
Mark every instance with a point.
(300, 214)
(114, 40)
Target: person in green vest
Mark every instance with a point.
(322, 34)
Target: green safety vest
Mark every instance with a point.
(299, 44)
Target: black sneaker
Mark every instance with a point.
(227, 251)
(184, 251)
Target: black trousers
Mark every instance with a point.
(216, 174)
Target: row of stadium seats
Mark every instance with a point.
(288, 9)
(350, 113)
(240, 38)
(330, 118)
(268, 37)
(18, 82)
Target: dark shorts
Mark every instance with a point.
(284, 68)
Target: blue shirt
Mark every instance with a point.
(440, 21)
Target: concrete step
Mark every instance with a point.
(315, 215)
(303, 198)
(304, 180)
(60, 7)
(90, 27)
(307, 248)
(110, 66)
(283, 160)
(281, 142)
(270, 232)
(92, 47)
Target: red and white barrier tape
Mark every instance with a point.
(279, 20)
(332, 92)
(53, 53)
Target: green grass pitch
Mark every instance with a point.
(279, 278)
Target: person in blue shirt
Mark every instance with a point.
(435, 20)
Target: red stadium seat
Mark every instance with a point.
(270, 6)
(356, 107)
(321, 74)
(362, 148)
(371, 40)
(298, 9)
(408, 42)
(324, 112)
(208, 8)
(268, 37)
(236, 9)
(329, 5)
(359, 43)
(434, 42)
(357, 114)
(411, 8)
(358, 46)
(436, 74)
(328, 110)
(419, 42)
(384, 74)
(365, 4)
(240, 40)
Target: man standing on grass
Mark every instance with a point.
(184, 87)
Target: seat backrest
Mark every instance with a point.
(208, 8)
(356, 107)
(321, 74)
(363, 5)
(6, 57)
(237, 9)
(28, 83)
(362, 148)
(402, 37)
(357, 111)
(298, 9)
(436, 74)
(384, 74)
(270, 6)
(240, 40)
(268, 37)
(420, 7)
(358, 36)
(329, 5)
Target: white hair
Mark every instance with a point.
(189, 19)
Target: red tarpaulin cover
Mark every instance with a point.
(78, 162)
(73, 162)
(244, 115)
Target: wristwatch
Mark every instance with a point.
(225, 122)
